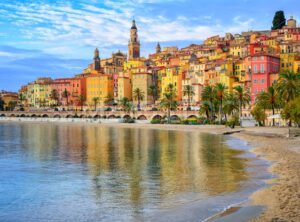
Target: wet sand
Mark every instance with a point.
(282, 197)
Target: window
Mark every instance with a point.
(262, 68)
(255, 68)
(263, 81)
(262, 58)
(255, 81)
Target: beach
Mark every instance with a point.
(281, 198)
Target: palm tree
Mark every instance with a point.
(81, 99)
(66, 94)
(243, 98)
(54, 96)
(205, 108)
(288, 85)
(208, 94)
(138, 95)
(2, 103)
(220, 92)
(123, 102)
(189, 92)
(96, 101)
(152, 91)
(169, 102)
(21, 98)
(109, 100)
(231, 104)
(268, 100)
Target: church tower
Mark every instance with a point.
(97, 62)
(134, 43)
(158, 48)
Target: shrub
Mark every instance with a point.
(155, 121)
(234, 121)
(259, 115)
(108, 109)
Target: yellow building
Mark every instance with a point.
(172, 75)
(99, 86)
(287, 57)
(142, 80)
(124, 87)
(40, 93)
(225, 74)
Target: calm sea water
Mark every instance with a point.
(51, 172)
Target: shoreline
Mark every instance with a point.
(279, 198)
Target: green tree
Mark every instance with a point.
(12, 105)
(288, 85)
(189, 92)
(96, 101)
(123, 102)
(152, 91)
(243, 97)
(205, 109)
(268, 100)
(208, 94)
(54, 96)
(231, 104)
(109, 100)
(21, 98)
(259, 114)
(2, 104)
(66, 94)
(81, 99)
(169, 100)
(220, 92)
(279, 20)
(291, 111)
(138, 95)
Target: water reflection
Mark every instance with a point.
(136, 169)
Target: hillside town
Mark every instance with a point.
(250, 60)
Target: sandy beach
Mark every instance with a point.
(281, 199)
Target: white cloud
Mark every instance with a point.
(66, 30)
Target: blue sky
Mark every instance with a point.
(56, 38)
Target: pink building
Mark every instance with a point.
(75, 88)
(263, 67)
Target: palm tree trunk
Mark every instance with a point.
(169, 115)
(212, 111)
(240, 110)
(189, 101)
(273, 113)
(221, 110)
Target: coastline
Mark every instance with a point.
(280, 198)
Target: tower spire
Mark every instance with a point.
(158, 48)
(134, 43)
(97, 61)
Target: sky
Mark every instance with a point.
(56, 38)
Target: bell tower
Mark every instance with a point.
(97, 62)
(158, 48)
(134, 43)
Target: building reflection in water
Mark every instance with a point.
(139, 167)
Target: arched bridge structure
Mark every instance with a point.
(139, 115)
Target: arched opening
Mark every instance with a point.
(2, 115)
(22, 115)
(97, 116)
(33, 115)
(112, 117)
(45, 116)
(82, 116)
(56, 116)
(69, 116)
(126, 117)
(12, 115)
(175, 118)
(157, 117)
(192, 117)
(142, 117)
